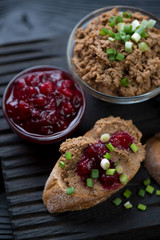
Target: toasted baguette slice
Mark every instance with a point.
(152, 160)
(54, 195)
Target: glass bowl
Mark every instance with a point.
(70, 46)
(39, 138)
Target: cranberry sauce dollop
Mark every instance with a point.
(93, 155)
(43, 102)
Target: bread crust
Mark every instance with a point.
(54, 196)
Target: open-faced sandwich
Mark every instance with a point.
(94, 166)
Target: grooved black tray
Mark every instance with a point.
(26, 166)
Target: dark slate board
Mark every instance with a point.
(26, 166)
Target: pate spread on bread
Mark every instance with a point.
(93, 167)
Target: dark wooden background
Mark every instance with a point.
(35, 32)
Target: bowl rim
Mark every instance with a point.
(38, 138)
(97, 94)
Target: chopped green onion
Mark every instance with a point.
(135, 24)
(143, 46)
(127, 15)
(105, 164)
(117, 36)
(110, 147)
(105, 137)
(120, 57)
(140, 30)
(127, 38)
(134, 147)
(122, 34)
(110, 172)
(124, 82)
(116, 163)
(107, 155)
(70, 190)
(128, 46)
(111, 39)
(144, 23)
(112, 57)
(110, 51)
(112, 24)
(147, 181)
(62, 164)
(94, 173)
(111, 33)
(141, 192)
(128, 205)
(117, 201)
(136, 37)
(151, 23)
(149, 189)
(119, 169)
(127, 193)
(144, 35)
(111, 19)
(89, 182)
(119, 19)
(120, 26)
(158, 192)
(142, 207)
(68, 155)
(104, 32)
(123, 178)
(128, 28)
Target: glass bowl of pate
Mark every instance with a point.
(113, 53)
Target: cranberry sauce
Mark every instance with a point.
(43, 102)
(93, 155)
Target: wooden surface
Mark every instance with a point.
(34, 33)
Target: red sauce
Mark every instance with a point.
(43, 102)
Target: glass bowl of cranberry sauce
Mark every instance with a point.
(43, 104)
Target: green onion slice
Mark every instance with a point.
(128, 205)
(149, 189)
(151, 23)
(140, 30)
(135, 24)
(134, 147)
(111, 39)
(158, 192)
(89, 182)
(117, 201)
(127, 38)
(68, 155)
(110, 147)
(107, 155)
(110, 51)
(120, 57)
(112, 24)
(128, 28)
(123, 178)
(142, 207)
(128, 46)
(141, 192)
(144, 23)
(120, 26)
(147, 181)
(119, 169)
(143, 46)
(70, 190)
(127, 193)
(124, 82)
(111, 33)
(110, 172)
(104, 32)
(136, 37)
(118, 36)
(62, 164)
(112, 57)
(119, 19)
(111, 19)
(127, 15)
(94, 173)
